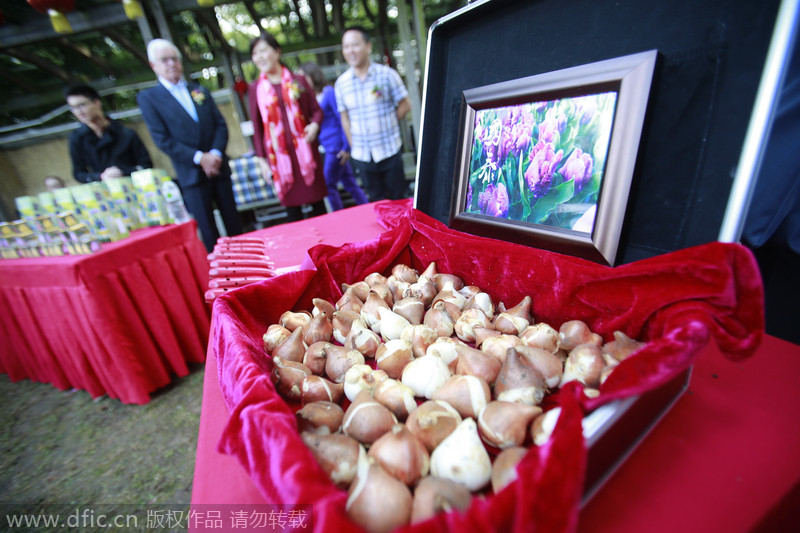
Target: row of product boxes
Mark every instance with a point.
(78, 219)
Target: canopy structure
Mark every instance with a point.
(46, 45)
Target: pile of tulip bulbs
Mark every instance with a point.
(420, 390)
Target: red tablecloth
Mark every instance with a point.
(119, 322)
(721, 460)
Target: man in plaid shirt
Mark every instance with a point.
(372, 101)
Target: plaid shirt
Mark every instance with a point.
(371, 106)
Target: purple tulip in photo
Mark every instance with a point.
(539, 174)
(578, 168)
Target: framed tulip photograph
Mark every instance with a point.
(548, 160)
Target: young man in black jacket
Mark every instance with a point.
(102, 147)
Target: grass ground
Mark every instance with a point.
(60, 447)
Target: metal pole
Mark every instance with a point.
(760, 121)
(403, 27)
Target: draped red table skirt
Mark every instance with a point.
(711, 464)
(121, 322)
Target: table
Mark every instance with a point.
(724, 458)
(120, 322)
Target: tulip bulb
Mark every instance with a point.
(322, 418)
(466, 323)
(322, 305)
(393, 356)
(575, 332)
(336, 454)
(401, 454)
(391, 324)
(446, 348)
(620, 348)
(474, 362)
(362, 377)
(432, 422)
(292, 320)
(448, 293)
(397, 289)
(544, 425)
(442, 280)
(542, 336)
(410, 308)
(420, 337)
(396, 397)
(377, 501)
(349, 302)
(504, 468)
(481, 334)
(275, 335)
(424, 290)
(519, 381)
(584, 363)
(462, 458)
(405, 273)
(288, 378)
(505, 424)
(342, 320)
(315, 357)
(369, 311)
(317, 388)
(359, 289)
(510, 324)
(482, 301)
(467, 394)
(438, 319)
(362, 339)
(545, 362)
(338, 360)
(293, 348)
(434, 495)
(429, 273)
(375, 278)
(497, 346)
(319, 329)
(425, 375)
(366, 420)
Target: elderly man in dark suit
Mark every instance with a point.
(186, 124)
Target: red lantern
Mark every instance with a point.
(240, 87)
(57, 10)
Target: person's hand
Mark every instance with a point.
(210, 164)
(343, 156)
(266, 172)
(111, 172)
(311, 132)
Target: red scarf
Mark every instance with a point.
(278, 154)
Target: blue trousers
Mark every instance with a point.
(336, 173)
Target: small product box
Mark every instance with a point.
(96, 218)
(125, 200)
(28, 206)
(148, 188)
(47, 203)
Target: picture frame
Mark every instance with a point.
(547, 160)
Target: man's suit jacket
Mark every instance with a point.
(179, 136)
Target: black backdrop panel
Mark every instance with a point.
(711, 56)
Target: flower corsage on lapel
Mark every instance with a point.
(375, 93)
(294, 90)
(198, 96)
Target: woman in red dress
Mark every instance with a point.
(286, 120)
